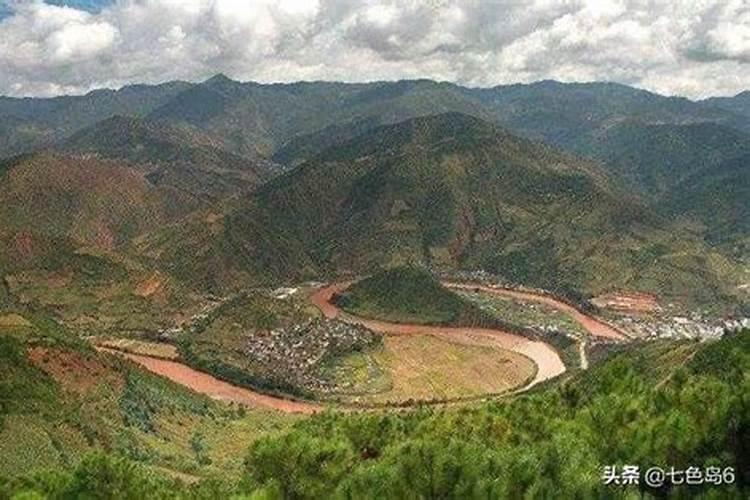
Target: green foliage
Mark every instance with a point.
(410, 295)
(22, 387)
(145, 396)
(661, 404)
(726, 360)
(550, 444)
(300, 466)
(99, 476)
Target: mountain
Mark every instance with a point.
(718, 198)
(86, 201)
(270, 115)
(293, 122)
(30, 123)
(651, 159)
(738, 104)
(64, 222)
(303, 147)
(565, 114)
(181, 159)
(450, 191)
(318, 114)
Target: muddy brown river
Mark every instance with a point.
(546, 358)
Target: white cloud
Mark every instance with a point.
(694, 48)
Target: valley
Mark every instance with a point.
(324, 289)
(504, 362)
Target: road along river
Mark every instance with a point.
(546, 358)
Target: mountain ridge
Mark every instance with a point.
(452, 191)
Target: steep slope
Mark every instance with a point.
(93, 202)
(63, 222)
(451, 190)
(719, 198)
(62, 400)
(187, 161)
(651, 159)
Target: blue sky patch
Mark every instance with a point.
(87, 5)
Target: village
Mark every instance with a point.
(299, 355)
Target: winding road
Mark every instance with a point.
(547, 360)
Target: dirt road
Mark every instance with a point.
(548, 361)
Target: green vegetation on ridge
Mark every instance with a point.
(410, 295)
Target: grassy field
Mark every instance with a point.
(142, 347)
(410, 295)
(424, 367)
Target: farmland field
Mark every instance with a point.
(427, 367)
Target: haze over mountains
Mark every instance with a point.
(578, 188)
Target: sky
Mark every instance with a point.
(694, 48)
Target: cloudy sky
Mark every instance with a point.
(695, 48)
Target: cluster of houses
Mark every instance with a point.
(299, 354)
(679, 327)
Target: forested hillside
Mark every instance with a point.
(661, 404)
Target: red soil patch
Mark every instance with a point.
(73, 371)
(23, 242)
(629, 302)
(150, 286)
(204, 383)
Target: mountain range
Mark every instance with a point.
(577, 188)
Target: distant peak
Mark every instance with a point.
(218, 79)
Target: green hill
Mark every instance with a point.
(64, 222)
(91, 201)
(410, 295)
(61, 400)
(652, 159)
